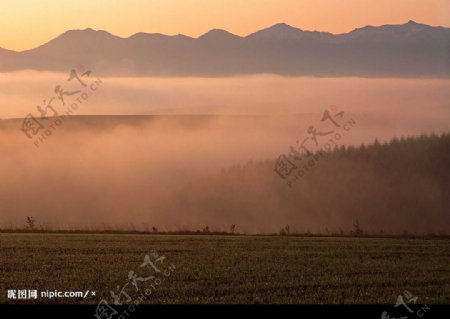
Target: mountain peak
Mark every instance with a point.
(88, 32)
(387, 30)
(77, 37)
(146, 37)
(282, 26)
(217, 33)
(412, 22)
(277, 31)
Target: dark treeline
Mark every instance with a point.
(400, 187)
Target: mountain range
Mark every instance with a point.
(406, 50)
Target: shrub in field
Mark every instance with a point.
(30, 223)
(357, 229)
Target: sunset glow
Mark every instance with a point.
(25, 24)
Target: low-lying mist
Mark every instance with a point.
(163, 171)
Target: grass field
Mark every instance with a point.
(228, 269)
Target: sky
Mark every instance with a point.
(25, 24)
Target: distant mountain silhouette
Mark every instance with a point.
(410, 49)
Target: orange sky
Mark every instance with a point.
(26, 24)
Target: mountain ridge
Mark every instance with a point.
(410, 49)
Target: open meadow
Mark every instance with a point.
(203, 269)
